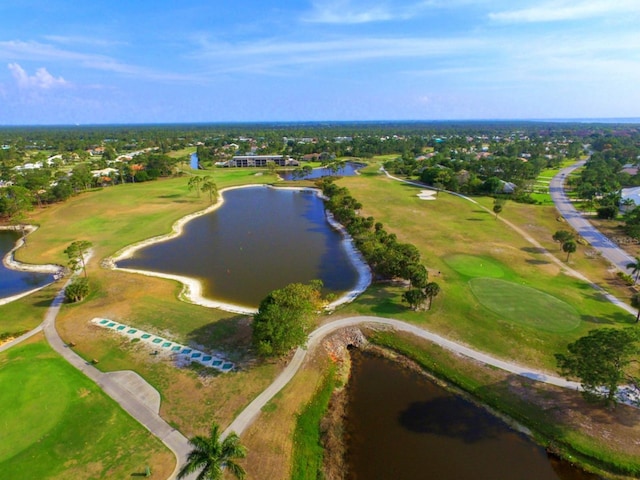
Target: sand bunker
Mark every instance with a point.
(427, 195)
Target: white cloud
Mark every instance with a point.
(41, 80)
(37, 51)
(265, 55)
(346, 12)
(567, 10)
(83, 41)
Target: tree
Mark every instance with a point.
(211, 456)
(415, 297)
(432, 290)
(76, 253)
(600, 360)
(284, 318)
(498, 204)
(569, 247)
(195, 183)
(635, 268)
(561, 236)
(208, 185)
(635, 303)
(77, 290)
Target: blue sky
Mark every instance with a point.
(67, 62)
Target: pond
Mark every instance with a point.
(350, 169)
(15, 282)
(402, 425)
(259, 240)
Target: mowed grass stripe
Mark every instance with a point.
(525, 305)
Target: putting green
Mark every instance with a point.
(525, 305)
(474, 266)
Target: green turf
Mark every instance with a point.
(475, 266)
(54, 420)
(525, 305)
(28, 312)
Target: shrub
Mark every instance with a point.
(77, 290)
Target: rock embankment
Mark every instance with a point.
(332, 425)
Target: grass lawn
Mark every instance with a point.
(525, 305)
(58, 424)
(27, 312)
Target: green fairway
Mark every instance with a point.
(475, 266)
(54, 422)
(525, 305)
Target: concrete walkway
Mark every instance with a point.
(127, 388)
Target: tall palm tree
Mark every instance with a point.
(432, 289)
(194, 184)
(208, 185)
(635, 268)
(212, 456)
(635, 302)
(569, 247)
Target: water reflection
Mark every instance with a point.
(401, 425)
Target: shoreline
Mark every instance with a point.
(11, 263)
(192, 287)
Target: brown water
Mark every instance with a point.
(400, 425)
(260, 239)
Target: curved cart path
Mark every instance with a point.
(127, 388)
(251, 412)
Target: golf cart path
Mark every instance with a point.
(251, 412)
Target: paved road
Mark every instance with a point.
(585, 229)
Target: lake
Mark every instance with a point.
(15, 282)
(348, 170)
(402, 425)
(259, 240)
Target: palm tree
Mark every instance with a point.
(635, 302)
(635, 268)
(210, 186)
(432, 289)
(194, 184)
(569, 246)
(212, 456)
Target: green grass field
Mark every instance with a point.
(27, 312)
(56, 423)
(458, 241)
(525, 305)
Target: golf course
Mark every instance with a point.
(499, 295)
